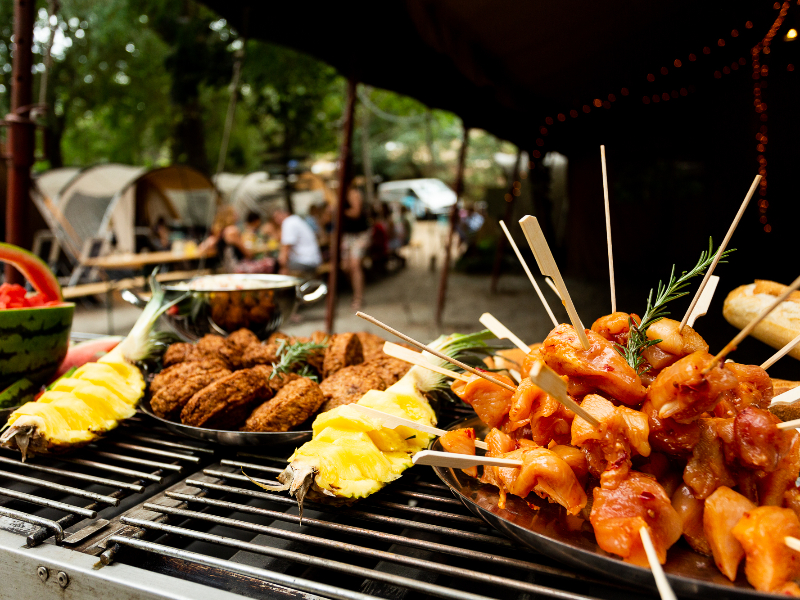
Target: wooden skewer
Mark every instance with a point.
(751, 326)
(704, 301)
(461, 461)
(794, 424)
(416, 358)
(502, 332)
(392, 421)
(786, 398)
(553, 287)
(436, 353)
(721, 249)
(792, 542)
(780, 353)
(547, 264)
(528, 273)
(608, 231)
(550, 382)
(664, 589)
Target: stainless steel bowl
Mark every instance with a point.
(262, 304)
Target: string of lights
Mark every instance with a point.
(759, 73)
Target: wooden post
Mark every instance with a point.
(509, 218)
(345, 157)
(20, 135)
(462, 158)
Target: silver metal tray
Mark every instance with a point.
(239, 439)
(549, 532)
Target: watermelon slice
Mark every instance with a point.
(88, 351)
(34, 269)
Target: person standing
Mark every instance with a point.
(355, 241)
(299, 251)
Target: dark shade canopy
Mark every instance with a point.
(504, 65)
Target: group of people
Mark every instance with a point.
(290, 244)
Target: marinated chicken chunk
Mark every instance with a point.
(344, 350)
(674, 345)
(226, 403)
(615, 327)
(683, 391)
(754, 388)
(461, 441)
(690, 511)
(490, 401)
(667, 435)
(292, 405)
(707, 469)
(769, 562)
(723, 509)
(347, 385)
(600, 367)
(618, 514)
(546, 417)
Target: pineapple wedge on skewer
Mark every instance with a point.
(351, 455)
(79, 409)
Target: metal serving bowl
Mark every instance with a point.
(225, 303)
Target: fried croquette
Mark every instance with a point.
(177, 353)
(170, 400)
(344, 350)
(183, 370)
(226, 403)
(371, 345)
(293, 405)
(347, 385)
(235, 345)
(260, 354)
(389, 369)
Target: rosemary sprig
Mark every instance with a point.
(655, 311)
(292, 355)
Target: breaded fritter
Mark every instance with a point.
(170, 400)
(226, 403)
(344, 350)
(280, 380)
(181, 371)
(210, 344)
(235, 345)
(259, 354)
(277, 337)
(388, 368)
(347, 385)
(371, 345)
(177, 353)
(293, 405)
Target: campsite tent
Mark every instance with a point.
(80, 205)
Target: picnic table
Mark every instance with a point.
(140, 260)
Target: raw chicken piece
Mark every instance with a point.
(490, 401)
(690, 510)
(547, 417)
(723, 509)
(754, 387)
(461, 441)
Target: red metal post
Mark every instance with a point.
(462, 158)
(501, 240)
(345, 158)
(20, 134)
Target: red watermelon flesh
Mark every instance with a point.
(86, 352)
(34, 269)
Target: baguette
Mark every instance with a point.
(780, 327)
(785, 412)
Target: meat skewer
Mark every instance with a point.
(528, 273)
(608, 231)
(664, 589)
(461, 461)
(701, 308)
(436, 353)
(553, 287)
(391, 421)
(720, 251)
(547, 265)
(550, 382)
(780, 353)
(502, 332)
(416, 358)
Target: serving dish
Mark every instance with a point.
(549, 531)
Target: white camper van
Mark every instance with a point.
(424, 197)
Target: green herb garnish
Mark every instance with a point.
(637, 338)
(292, 355)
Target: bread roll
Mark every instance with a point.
(780, 327)
(785, 412)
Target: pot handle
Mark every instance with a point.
(133, 298)
(320, 290)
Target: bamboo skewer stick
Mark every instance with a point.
(550, 382)
(664, 589)
(608, 231)
(751, 326)
(721, 249)
(461, 461)
(436, 353)
(416, 358)
(528, 273)
(547, 264)
(391, 421)
(780, 353)
(502, 332)
(792, 542)
(793, 424)
(553, 287)
(701, 308)
(786, 398)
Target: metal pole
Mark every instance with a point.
(509, 216)
(462, 158)
(369, 183)
(20, 134)
(345, 156)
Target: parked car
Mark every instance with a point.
(424, 197)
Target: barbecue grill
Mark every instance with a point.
(147, 514)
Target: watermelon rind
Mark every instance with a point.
(33, 342)
(21, 391)
(34, 269)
